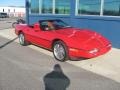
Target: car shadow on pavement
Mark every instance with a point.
(7, 43)
(78, 59)
(56, 80)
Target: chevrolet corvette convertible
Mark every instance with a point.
(64, 41)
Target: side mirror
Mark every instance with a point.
(36, 27)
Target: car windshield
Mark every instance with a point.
(53, 24)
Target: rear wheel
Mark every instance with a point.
(14, 24)
(60, 51)
(22, 40)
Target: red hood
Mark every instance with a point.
(84, 38)
(74, 31)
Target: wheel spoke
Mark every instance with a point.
(59, 51)
(21, 39)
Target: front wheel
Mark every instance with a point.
(60, 51)
(22, 40)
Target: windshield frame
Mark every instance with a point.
(57, 23)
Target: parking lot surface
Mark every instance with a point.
(26, 68)
(23, 68)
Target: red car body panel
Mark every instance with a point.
(80, 42)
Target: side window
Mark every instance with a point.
(43, 25)
(89, 7)
(47, 6)
(35, 6)
(62, 6)
(48, 25)
(111, 7)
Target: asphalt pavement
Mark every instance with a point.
(33, 68)
(23, 68)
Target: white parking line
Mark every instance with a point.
(107, 65)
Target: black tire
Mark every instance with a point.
(14, 24)
(63, 52)
(22, 40)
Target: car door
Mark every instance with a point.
(41, 37)
(29, 34)
(44, 38)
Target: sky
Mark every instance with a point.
(12, 2)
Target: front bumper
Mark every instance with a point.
(79, 53)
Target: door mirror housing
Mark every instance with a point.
(36, 27)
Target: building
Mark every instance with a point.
(13, 11)
(102, 16)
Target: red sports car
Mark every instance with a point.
(64, 41)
